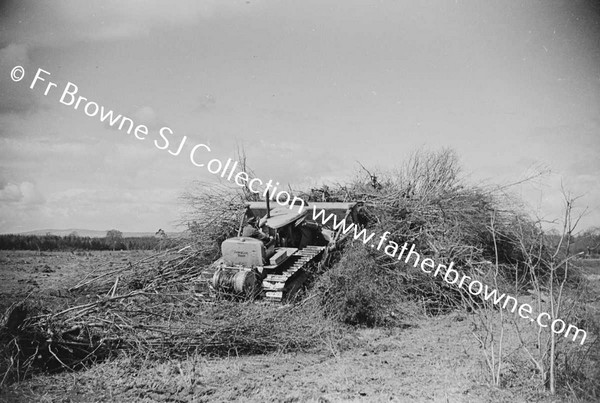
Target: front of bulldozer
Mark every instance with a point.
(247, 269)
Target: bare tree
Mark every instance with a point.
(549, 292)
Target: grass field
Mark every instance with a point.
(427, 359)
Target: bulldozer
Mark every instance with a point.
(277, 270)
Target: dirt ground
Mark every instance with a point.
(433, 360)
(49, 275)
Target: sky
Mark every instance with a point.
(306, 88)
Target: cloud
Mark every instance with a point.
(24, 193)
(144, 115)
(298, 164)
(16, 96)
(64, 22)
(90, 207)
(206, 102)
(571, 149)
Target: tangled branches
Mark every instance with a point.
(428, 204)
(154, 325)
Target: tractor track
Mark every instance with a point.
(277, 287)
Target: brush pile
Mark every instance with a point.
(156, 319)
(425, 203)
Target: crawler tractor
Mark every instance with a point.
(276, 271)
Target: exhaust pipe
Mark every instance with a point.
(268, 206)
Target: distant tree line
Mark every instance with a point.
(588, 243)
(112, 241)
(585, 244)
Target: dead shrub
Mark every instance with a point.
(358, 291)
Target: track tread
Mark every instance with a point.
(274, 285)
